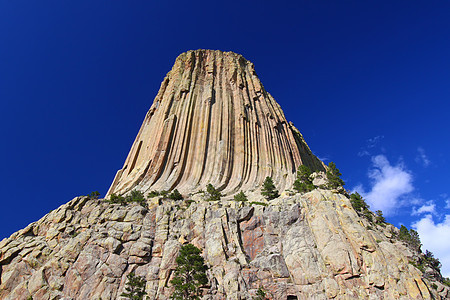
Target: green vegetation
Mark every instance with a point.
(258, 203)
(360, 205)
(135, 287)
(379, 217)
(135, 196)
(446, 281)
(334, 176)
(303, 183)
(240, 197)
(358, 202)
(175, 195)
(212, 194)
(153, 194)
(410, 237)
(269, 190)
(94, 195)
(117, 199)
(432, 261)
(189, 202)
(190, 273)
(260, 294)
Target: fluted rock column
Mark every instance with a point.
(213, 122)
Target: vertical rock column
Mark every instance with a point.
(213, 122)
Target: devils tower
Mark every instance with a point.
(212, 121)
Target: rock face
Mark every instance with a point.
(311, 246)
(213, 122)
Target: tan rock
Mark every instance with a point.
(212, 121)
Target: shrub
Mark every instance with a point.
(240, 197)
(334, 176)
(190, 273)
(94, 195)
(136, 196)
(269, 190)
(258, 203)
(260, 294)
(153, 194)
(135, 287)
(446, 281)
(212, 194)
(117, 199)
(175, 195)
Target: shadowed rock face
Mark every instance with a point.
(213, 122)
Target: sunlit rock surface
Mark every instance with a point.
(212, 121)
(312, 246)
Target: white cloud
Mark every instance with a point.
(428, 207)
(436, 238)
(422, 158)
(389, 184)
(447, 203)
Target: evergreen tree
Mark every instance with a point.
(358, 202)
(360, 205)
(135, 287)
(175, 195)
(415, 240)
(269, 190)
(240, 197)
(303, 183)
(94, 195)
(137, 196)
(190, 273)
(334, 176)
(117, 199)
(432, 261)
(411, 238)
(212, 193)
(380, 219)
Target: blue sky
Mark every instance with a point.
(366, 82)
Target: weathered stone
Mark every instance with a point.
(237, 133)
(212, 121)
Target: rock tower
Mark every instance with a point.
(212, 121)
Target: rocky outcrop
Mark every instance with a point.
(311, 246)
(212, 121)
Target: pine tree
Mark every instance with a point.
(269, 190)
(135, 287)
(380, 219)
(175, 195)
(190, 273)
(358, 203)
(303, 183)
(240, 197)
(334, 176)
(212, 193)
